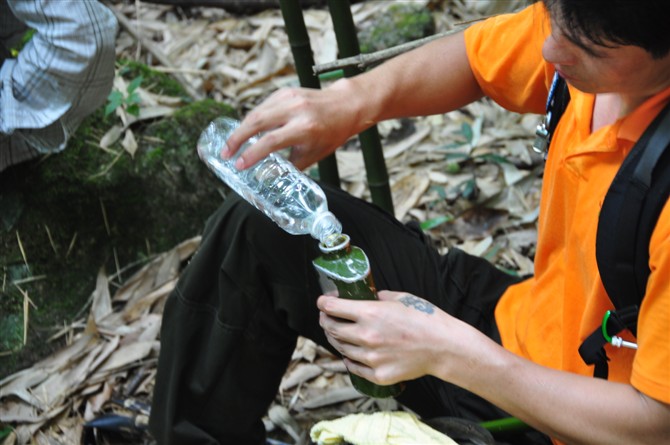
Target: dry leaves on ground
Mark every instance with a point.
(468, 176)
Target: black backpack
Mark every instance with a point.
(626, 222)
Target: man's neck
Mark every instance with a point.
(606, 110)
(610, 107)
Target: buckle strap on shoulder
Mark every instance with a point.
(592, 349)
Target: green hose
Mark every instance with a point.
(505, 425)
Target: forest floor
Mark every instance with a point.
(468, 177)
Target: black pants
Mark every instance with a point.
(231, 324)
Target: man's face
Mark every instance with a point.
(626, 70)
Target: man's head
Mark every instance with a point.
(611, 46)
(609, 23)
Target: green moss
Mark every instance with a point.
(11, 330)
(87, 208)
(154, 81)
(401, 23)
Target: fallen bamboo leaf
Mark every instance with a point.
(112, 135)
(49, 394)
(23, 252)
(305, 349)
(51, 240)
(102, 302)
(336, 365)
(155, 112)
(407, 192)
(281, 417)
(139, 309)
(332, 397)
(303, 372)
(129, 143)
(95, 403)
(400, 147)
(126, 355)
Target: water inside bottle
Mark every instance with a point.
(273, 185)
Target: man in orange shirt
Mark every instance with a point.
(488, 345)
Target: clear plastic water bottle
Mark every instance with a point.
(274, 186)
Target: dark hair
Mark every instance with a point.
(608, 23)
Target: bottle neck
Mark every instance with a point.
(325, 227)
(334, 243)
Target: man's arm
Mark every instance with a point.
(572, 408)
(390, 341)
(434, 78)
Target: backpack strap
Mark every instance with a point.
(557, 102)
(627, 220)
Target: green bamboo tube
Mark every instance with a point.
(304, 61)
(346, 268)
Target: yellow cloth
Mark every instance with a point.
(382, 428)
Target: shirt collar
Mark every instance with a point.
(633, 125)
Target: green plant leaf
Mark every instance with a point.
(134, 84)
(493, 157)
(434, 222)
(441, 192)
(469, 189)
(115, 96)
(453, 145)
(492, 252)
(5, 431)
(133, 98)
(466, 130)
(453, 167)
(109, 108)
(134, 110)
(114, 100)
(24, 40)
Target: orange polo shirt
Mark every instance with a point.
(547, 317)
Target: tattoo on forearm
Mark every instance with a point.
(417, 303)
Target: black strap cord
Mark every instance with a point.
(557, 102)
(592, 349)
(627, 220)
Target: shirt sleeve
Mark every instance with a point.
(505, 54)
(63, 73)
(651, 366)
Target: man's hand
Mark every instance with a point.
(312, 122)
(386, 341)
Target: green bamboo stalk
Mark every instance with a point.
(373, 156)
(304, 61)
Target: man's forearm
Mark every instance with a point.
(573, 408)
(432, 79)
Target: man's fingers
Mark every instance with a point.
(338, 307)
